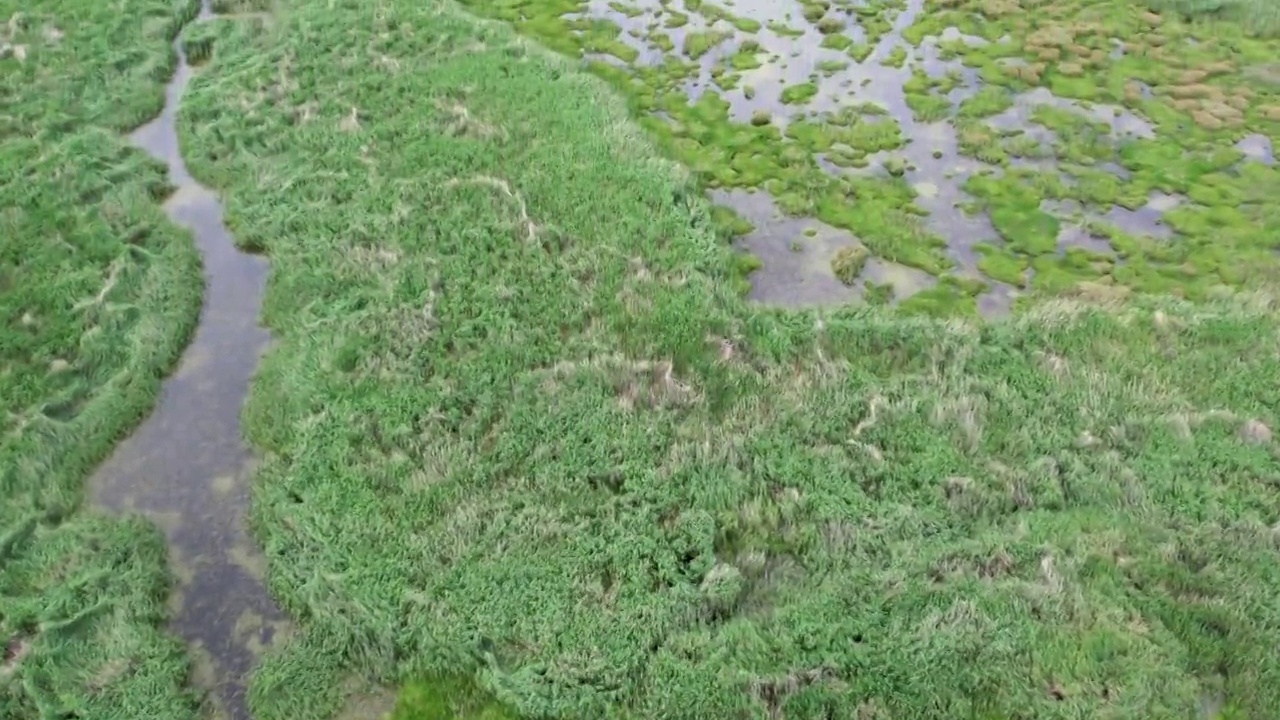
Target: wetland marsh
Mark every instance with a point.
(949, 136)
(654, 394)
(186, 467)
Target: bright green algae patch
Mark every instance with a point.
(521, 432)
(447, 699)
(98, 294)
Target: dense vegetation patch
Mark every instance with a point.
(98, 294)
(521, 432)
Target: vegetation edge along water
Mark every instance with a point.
(519, 429)
(99, 293)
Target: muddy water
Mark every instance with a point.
(187, 467)
(1257, 148)
(796, 265)
(799, 270)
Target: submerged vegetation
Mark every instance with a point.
(521, 432)
(98, 294)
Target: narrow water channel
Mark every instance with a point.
(187, 467)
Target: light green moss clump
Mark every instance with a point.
(836, 42)
(830, 24)
(989, 100)
(697, 44)
(449, 698)
(783, 30)
(729, 224)
(897, 57)
(831, 67)
(747, 57)
(798, 94)
(1001, 265)
(859, 51)
(951, 297)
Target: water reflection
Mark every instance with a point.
(187, 467)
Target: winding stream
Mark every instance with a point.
(187, 467)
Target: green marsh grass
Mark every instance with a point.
(98, 295)
(1257, 17)
(521, 432)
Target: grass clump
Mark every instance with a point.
(848, 262)
(98, 295)
(520, 430)
(697, 44)
(799, 94)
